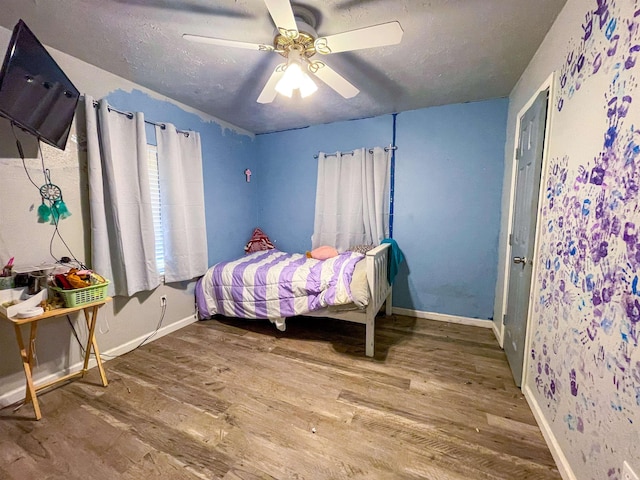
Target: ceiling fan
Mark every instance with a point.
(297, 41)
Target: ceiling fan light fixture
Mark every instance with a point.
(307, 86)
(291, 80)
(295, 77)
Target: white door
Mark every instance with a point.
(529, 167)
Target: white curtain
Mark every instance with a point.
(122, 237)
(182, 200)
(352, 198)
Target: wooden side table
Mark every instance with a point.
(91, 316)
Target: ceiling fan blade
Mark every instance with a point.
(228, 43)
(269, 93)
(376, 36)
(282, 15)
(333, 79)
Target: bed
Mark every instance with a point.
(275, 285)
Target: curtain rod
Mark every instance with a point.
(129, 115)
(386, 149)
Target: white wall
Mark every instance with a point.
(124, 322)
(583, 373)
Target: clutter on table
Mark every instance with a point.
(47, 287)
(78, 287)
(16, 300)
(6, 276)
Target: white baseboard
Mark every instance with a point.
(443, 317)
(554, 447)
(130, 345)
(17, 394)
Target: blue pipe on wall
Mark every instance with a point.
(393, 174)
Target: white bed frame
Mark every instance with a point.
(377, 264)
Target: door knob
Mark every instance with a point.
(522, 260)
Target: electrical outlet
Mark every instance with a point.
(627, 473)
(163, 300)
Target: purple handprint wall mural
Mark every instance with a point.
(583, 375)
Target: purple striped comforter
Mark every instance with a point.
(273, 284)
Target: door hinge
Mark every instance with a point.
(518, 153)
(511, 239)
(504, 319)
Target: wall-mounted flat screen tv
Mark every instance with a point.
(35, 93)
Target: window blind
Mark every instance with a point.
(154, 185)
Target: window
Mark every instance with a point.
(154, 186)
(352, 198)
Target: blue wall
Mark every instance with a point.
(230, 202)
(287, 174)
(449, 170)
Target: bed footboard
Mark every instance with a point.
(377, 275)
(377, 261)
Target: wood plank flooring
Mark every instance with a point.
(238, 400)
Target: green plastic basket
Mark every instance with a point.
(82, 296)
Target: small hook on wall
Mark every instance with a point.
(247, 174)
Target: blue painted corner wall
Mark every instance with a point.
(231, 202)
(449, 171)
(287, 174)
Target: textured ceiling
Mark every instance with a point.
(452, 51)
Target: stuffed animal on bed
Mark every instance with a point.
(322, 253)
(259, 241)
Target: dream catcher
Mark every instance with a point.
(54, 208)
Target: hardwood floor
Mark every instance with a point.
(239, 400)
